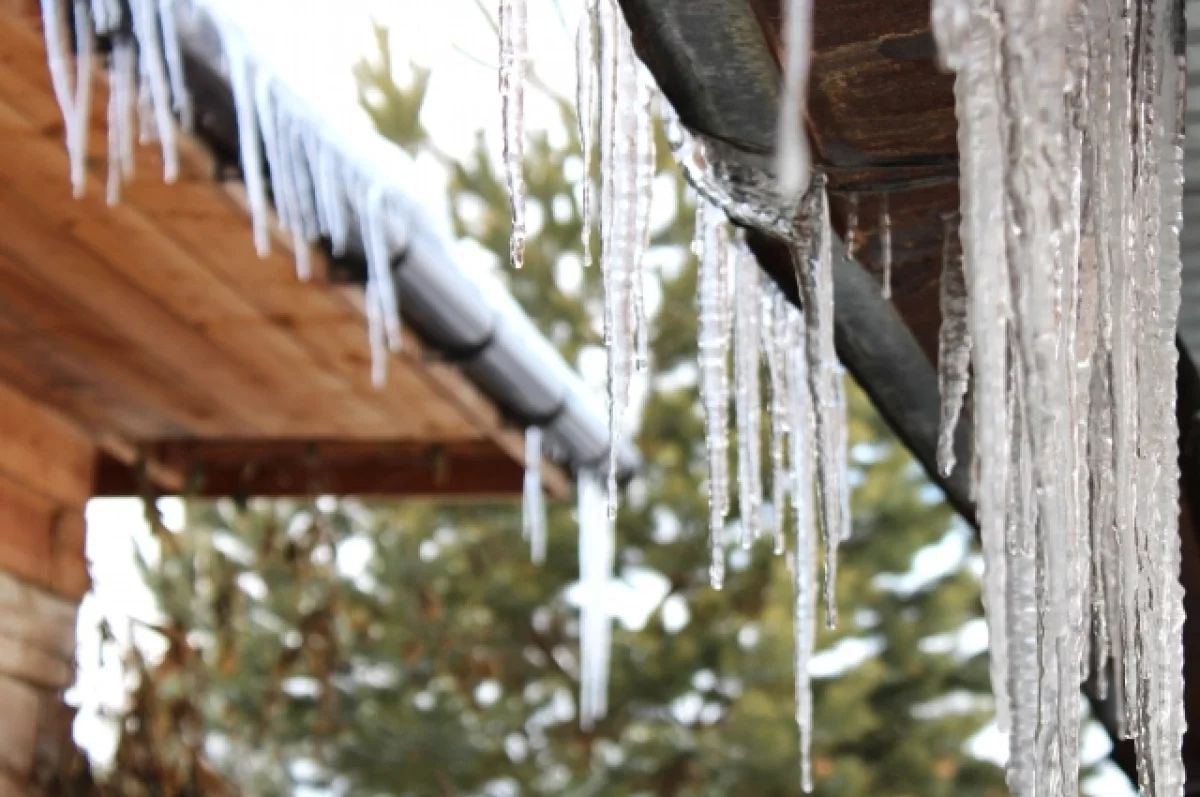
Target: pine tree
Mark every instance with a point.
(447, 664)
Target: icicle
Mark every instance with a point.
(145, 104)
(304, 183)
(747, 393)
(241, 80)
(775, 346)
(106, 15)
(813, 259)
(799, 423)
(712, 248)
(587, 47)
(794, 158)
(644, 194)
(122, 94)
(376, 337)
(331, 200)
(379, 242)
(954, 349)
(533, 504)
(885, 244)
(73, 91)
(622, 237)
(597, 550)
(268, 128)
(181, 98)
(146, 28)
(513, 57)
(852, 231)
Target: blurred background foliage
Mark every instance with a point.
(350, 647)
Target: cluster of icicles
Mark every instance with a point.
(1070, 133)
(744, 320)
(319, 189)
(1059, 316)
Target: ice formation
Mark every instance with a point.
(852, 226)
(587, 46)
(747, 347)
(71, 78)
(1063, 304)
(319, 183)
(626, 145)
(597, 549)
(712, 249)
(954, 347)
(533, 502)
(743, 319)
(1070, 143)
(1060, 311)
(514, 46)
(885, 244)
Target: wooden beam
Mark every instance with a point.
(291, 468)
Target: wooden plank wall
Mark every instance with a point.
(46, 466)
(45, 480)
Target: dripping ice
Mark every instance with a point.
(1071, 342)
(533, 502)
(742, 318)
(885, 244)
(597, 549)
(954, 348)
(627, 159)
(747, 341)
(712, 249)
(514, 55)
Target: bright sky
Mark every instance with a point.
(316, 42)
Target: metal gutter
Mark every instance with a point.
(488, 336)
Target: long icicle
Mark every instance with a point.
(587, 55)
(71, 80)
(748, 392)
(597, 549)
(533, 502)
(147, 28)
(800, 453)
(954, 348)
(711, 248)
(813, 260)
(885, 244)
(514, 21)
(775, 344)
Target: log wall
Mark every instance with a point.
(45, 480)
